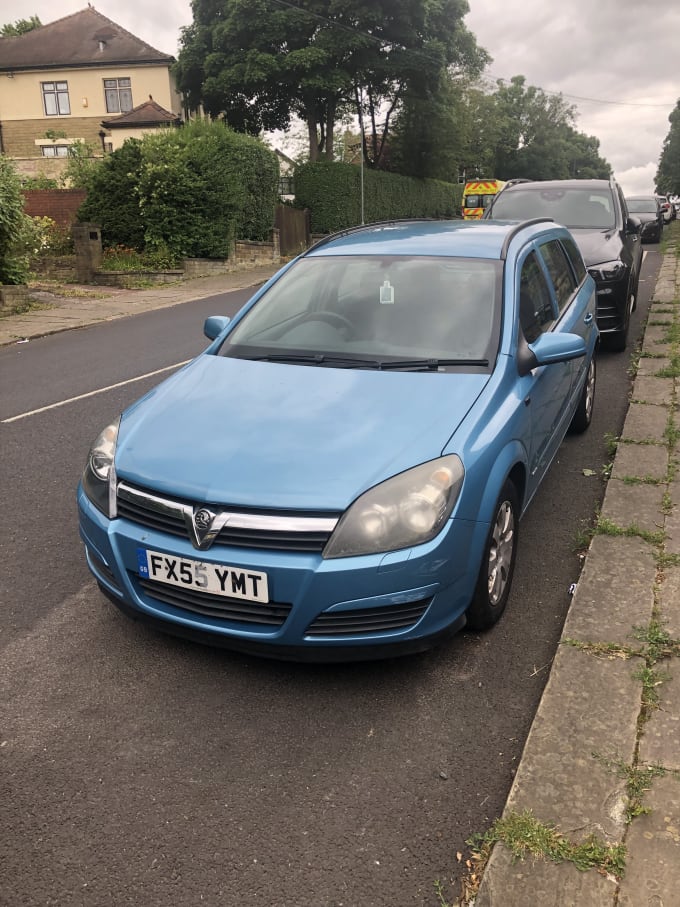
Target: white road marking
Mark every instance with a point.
(101, 390)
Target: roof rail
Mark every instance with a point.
(525, 223)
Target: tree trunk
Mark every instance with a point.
(313, 137)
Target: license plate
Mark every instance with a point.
(215, 579)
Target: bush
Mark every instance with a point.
(112, 200)
(185, 192)
(17, 233)
(51, 239)
(332, 192)
(121, 258)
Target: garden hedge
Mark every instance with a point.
(332, 192)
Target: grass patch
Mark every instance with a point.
(638, 782)
(524, 835)
(606, 526)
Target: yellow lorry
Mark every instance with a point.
(478, 195)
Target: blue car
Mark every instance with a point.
(341, 474)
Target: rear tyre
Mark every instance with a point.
(584, 411)
(498, 564)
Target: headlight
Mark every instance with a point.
(99, 478)
(608, 270)
(406, 510)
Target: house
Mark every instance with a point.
(81, 78)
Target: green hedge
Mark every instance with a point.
(332, 192)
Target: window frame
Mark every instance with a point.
(52, 90)
(563, 295)
(118, 91)
(543, 327)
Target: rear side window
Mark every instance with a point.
(576, 259)
(559, 270)
(536, 313)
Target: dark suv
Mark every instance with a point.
(608, 236)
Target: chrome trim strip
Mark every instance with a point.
(256, 521)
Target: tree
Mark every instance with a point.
(668, 173)
(20, 27)
(429, 133)
(520, 131)
(258, 63)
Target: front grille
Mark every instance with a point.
(272, 614)
(368, 620)
(274, 530)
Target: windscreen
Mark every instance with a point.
(377, 309)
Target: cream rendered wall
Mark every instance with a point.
(21, 95)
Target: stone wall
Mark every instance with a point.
(132, 279)
(12, 298)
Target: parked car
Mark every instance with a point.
(648, 211)
(608, 236)
(341, 474)
(667, 210)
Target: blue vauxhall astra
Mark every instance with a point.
(342, 472)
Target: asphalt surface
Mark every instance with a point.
(590, 725)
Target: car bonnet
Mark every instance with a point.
(262, 434)
(597, 245)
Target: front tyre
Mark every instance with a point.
(498, 564)
(584, 411)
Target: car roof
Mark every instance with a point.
(459, 238)
(558, 184)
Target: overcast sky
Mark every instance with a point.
(616, 61)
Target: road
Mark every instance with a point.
(140, 769)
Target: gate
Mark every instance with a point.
(294, 225)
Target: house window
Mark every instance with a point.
(55, 99)
(118, 94)
(286, 185)
(54, 150)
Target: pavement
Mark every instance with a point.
(86, 305)
(601, 765)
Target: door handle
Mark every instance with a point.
(588, 319)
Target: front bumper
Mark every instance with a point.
(613, 300)
(323, 610)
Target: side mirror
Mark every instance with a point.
(214, 325)
(548, 349)
(633, 225)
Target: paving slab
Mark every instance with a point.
(652, 390)
(653, 864)
(668, 601)
(590, 706)
(640, 461)
(645, 423)
(672, 523)
(640, 506)
(615, 592)
(652, 365)
(539, 883)
(660, 741)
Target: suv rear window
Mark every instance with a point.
(572, 207)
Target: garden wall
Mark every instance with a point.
(59, 204)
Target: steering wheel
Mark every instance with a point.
(334, 319)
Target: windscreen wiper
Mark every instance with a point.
(318, 359)
(427, 365)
